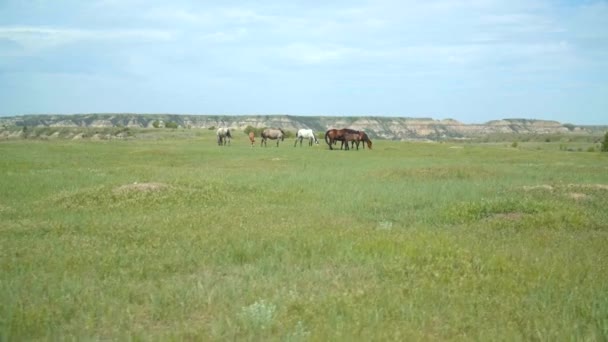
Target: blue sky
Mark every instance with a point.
(469, 60)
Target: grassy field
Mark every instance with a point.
(173, 237)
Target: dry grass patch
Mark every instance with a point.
(577, 196)
(538, 187)
(141, 187)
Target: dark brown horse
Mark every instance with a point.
(363, 137)
(351, 138)
(334, 135)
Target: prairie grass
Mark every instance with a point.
(177, 238)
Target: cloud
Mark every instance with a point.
(34, 39)
(388, 47)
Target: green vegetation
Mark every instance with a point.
(167, 236)
(171, 124)
(605, 143)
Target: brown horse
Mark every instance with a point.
(334, 135)
(252, 138)
(363, 137)
(353, 138)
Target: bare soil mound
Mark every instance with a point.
(141, 187)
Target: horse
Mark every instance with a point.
(223, 134)
(363, 137)
(333, 135)
(272, 133)
(360, 137)
(353, 138)
(252, 138)
(305, 134)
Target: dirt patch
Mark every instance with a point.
(577, 196)
(141, 187)
(539, 187)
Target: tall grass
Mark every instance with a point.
(177, 238)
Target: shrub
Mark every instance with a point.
(605, 143)
(211, 128)
(170, 124)
(156, 124)
(249, 129)
(514, 144)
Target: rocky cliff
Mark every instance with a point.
(395, 128)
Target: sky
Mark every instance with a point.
(468, 60)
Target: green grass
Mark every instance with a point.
(173, 237)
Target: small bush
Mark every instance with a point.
(249, 129)
(605, 143)
(211, 128)
(171, 124)
(514, 144)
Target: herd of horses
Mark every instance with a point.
(346, 136)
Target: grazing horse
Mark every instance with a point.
(252, 138)
(272, 133)
(223, 135)
(305, 134)
(363, 137)
(334, 135)
(353, 138)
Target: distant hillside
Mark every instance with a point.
(394, 128)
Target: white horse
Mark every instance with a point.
(223, 135)
(306, 134)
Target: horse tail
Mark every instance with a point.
(327, 137)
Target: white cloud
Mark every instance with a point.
(33, 38)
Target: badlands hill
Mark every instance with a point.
(394, 128)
